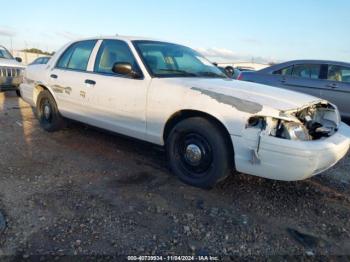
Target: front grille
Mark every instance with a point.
(9, 72)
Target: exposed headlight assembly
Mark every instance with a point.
(293, 131)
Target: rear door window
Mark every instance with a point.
(315, 71)
(307, 71)
(64, 59)
(339, 73)
(285, 71)
(77, 56)
(81, 54)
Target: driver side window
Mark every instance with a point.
(111, 52)
(339, 73)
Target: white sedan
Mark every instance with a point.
(170, 95)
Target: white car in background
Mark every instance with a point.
(10, 71)
(170, 95)
(42, 60)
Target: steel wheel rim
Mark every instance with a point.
(195, 154)
(46, 111)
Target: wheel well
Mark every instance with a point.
(37, 91)
(181, 115)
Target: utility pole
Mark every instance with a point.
(11, 43)
(25, 53)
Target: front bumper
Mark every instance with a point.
(10, 83)
(288, 160)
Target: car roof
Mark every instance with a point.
(119, 37)
(313, 61)
(309, 61)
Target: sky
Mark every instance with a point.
(223, 30)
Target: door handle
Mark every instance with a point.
(283, 80)
(54, 76)
(333, 85)
(90, 82)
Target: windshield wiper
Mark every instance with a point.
(178, 71)
(211, 74)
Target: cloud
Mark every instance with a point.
(68, 35)
(221, 55)
(217, 53)
(6, 31)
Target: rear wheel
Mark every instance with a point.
(49, 117)
(198, 152)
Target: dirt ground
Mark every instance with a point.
(83, 191)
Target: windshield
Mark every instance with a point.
(4, 53)
(171, 60)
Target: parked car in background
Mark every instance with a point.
(230, 71)
(170, 95)
(246, 69)
(10, 71)
(326, 79)
(37, 66)
(41, 60)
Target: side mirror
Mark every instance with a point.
(18, 59)
(125, 69)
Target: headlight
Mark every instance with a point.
(293, 131)
(338, 116)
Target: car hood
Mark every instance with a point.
(249, 93)
(10, 63)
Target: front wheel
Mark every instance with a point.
(49, 117)
(198, 152)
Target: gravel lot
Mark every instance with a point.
(83, 191)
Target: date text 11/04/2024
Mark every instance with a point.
(172, 258)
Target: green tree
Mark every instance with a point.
(37, 51)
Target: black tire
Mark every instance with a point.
(49, 117)
(18, 93)
(229, 70)
(205, 169)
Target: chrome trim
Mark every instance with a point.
(10, 72)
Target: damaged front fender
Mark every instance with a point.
(314, 122)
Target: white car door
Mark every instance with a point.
(116, 102)
(67, 79)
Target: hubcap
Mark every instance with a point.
(193, 154)
(47, 112)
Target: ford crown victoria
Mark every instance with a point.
(170, 95)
